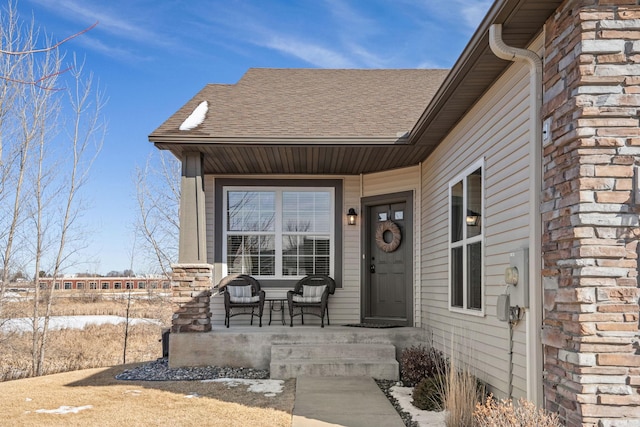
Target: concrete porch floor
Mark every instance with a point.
(250, 346)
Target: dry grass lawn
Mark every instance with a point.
(92, 347)
(139, 403)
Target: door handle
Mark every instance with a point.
(372, 268)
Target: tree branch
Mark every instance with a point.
(48, 48)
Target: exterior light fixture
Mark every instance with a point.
(473, 218)
(351, 216)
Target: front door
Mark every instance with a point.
(388, 260)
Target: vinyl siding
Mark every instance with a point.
(496, 129)
(393, 181)
(344, 305)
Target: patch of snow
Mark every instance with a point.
(28, 399)
(192, 395)
(25, 324)
(12, 296)
(133, 392)
(268, 387)
(64, 410)
(424, 418)
(196, 118)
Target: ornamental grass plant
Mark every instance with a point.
(462, 391)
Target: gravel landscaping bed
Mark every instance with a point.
(385, 386)
(159, 370)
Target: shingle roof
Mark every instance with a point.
(304, 104)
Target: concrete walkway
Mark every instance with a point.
(342, 401)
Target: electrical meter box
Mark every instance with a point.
(517, 276)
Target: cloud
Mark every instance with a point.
(109, 22)
(251, 26)
(430, 65)
(473, 12)
(353, 22)
(309, 52)
(449, 12)
(366, 56)
(108, 49)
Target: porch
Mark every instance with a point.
(337, 348)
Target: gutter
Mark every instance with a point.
(400, 139)
(534, 323)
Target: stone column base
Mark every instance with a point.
(191, 295)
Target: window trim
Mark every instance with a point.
(465, 242)
(281, 184)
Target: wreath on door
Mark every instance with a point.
(396, 236)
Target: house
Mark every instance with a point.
(69, 283)
(514, 173)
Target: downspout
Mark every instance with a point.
(534, 323)
(417, 320)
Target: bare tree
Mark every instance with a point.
(26, 70)
(158, 202)
(128, 273)
(51, 131)
(83, 137)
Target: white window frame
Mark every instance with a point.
(465, 242)
(278, 227)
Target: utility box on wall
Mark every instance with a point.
(519, 259)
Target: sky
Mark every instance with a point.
(151, 57)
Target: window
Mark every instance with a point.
(141, 285)
(92, 285)
(117, 285)
(80, 285)
(276, 233)
(128, 285)
(466, 240)
(105, 285)
(67, 285)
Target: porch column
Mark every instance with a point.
(191, 297)
(192, 277)
(590, 214)
(193, 239)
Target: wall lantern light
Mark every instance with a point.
(351, 216)
(473, 218)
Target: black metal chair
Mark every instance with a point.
(242, 292)
(311, 292)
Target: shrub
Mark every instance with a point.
(503, 413)
(419, 362)
(428, 394)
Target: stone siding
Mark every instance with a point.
(589, 215)
(191, 296)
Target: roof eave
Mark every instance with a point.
(281, 140)
(502, 11)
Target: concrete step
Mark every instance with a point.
(320, 350)
(332, 360)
